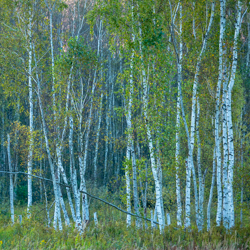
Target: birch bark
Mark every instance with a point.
(11, 182)
(57, 213)
(211, 191)
(100, 108)
(217, 112)
(30, 153)
(130, 146)
(229, 116)
(74, 175)
(150, 140)
(177, 136)
(201, 178)
(225, 155)
(242, 187)
(193, 115)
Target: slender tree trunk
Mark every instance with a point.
(83, 162)
(57, 213)
(242, 187)
(158, 189)
(11, 183)
(248, 47)
(194, 29)
(74, 175)
(97, 140)
(30, 153)
(100, 108)
(217, 112)
(62, 172)
(225, 155)
(107, 125)
(201, 183)
(2, 136)
(65, 213)
(177, 152)
(229, 117)
(128, 195)
(211, 191)
(193, 113)
(130, 145)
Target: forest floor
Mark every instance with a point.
(110, 233)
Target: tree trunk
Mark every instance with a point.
(211, 191)
(229, 117)
(217, 112)
(225, 156)
(11, 183)
(30, 153)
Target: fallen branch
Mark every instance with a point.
(90, 195)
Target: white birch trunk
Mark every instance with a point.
(152, 219)
(150, 141)
(65, 213)
(229, 118)
(211, 191)
(97, 140)
(128, 195)
(74, 176)
(193, 116)
(201, 182)
(83, 161)
(2, 136)
(129, 143)
(107, 137)
(129, 130)
(242, 188)
(11, 183)
(100, 108)
(52, 59)
(168, 219)
(30, 153)
(95, 219)
(177, 152)
(57, 213)
(248, 48)
(225, 156)
(62, 172)
(217, 112)
(194, 31)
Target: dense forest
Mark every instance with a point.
(124, 124)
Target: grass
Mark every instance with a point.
(111, 233)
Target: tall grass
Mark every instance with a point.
(111, 233)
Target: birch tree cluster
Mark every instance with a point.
(145, 99)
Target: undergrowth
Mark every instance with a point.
(111, 233)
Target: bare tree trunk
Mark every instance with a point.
(211, 191)
(158, 189)
(97, 140)
(229, 117)
(177, 136)
(225, 155)
(242, 187)
(74, 176)
(217, 112)
(57, 213)
(11, 183)
(193, 114)
(30, 154)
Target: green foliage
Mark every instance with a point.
(77, 53)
